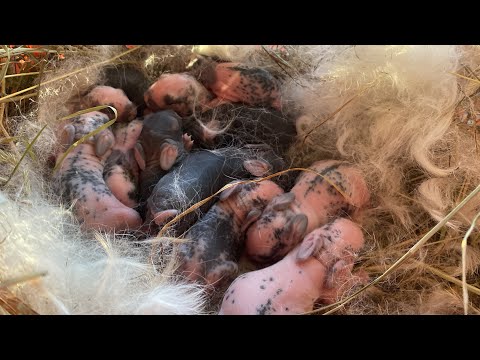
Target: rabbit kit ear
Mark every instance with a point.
(282, 202)
(257, 167)
(296, 228)
(168, 155)
(252, 216)
(139, 154)
(310, 245)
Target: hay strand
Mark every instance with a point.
(332, 115)
(3, 73)
(465, 77)
(447, 277)
(21, 279)
(13, 305)
(27, 150)
(464, 263)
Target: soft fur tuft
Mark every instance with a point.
(98, 275)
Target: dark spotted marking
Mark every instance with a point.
(69, 187)
(180, 100)
(345, 210)
(169, 100)
(259, 203)
(248, 187)
(264, 309)
(259, 80)
(318, 180)
(132, 194)
(277, 233)
(267, 218)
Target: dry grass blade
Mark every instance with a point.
(276, 57)
(21, 279)
(279, 61)
(13, 305)
(3, 73)
(471, 71)
(3, 99)
(338, 305)
(2, 90)
(170, 239)
(21, 97)
(8, 158)
(42, 64)
(309, 132)
(464, 263)
(10, 302)
(8, 140)
(22, 50)
(25, 142)
(464, 77)
(447, 277)
(92, 133)
(85, 111)
(27, 150)
(26, 74)
(2, 111)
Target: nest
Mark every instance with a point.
(405, 115)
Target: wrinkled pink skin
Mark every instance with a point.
(81, 177)
(317, 269)
(121, 170)
(211, 255)
(311, 203)
(106, 95)
(237, 83)
(181, 93)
